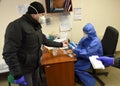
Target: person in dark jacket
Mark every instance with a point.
(109, 61)
(22, 47)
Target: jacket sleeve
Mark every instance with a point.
(80, 46)
(11, 45)
(49, 43)
(87, 51)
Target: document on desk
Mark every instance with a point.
(97, 64)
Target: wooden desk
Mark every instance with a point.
(59, 69)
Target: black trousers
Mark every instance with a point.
(33, 79)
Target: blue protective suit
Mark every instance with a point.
(87, 46)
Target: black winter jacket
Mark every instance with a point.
(22, 48)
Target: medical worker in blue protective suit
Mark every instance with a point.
(89, 45)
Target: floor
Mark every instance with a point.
(113, 78)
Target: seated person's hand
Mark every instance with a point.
(21, 81)
(72, 45)
(107, 61)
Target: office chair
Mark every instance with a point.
(109, 43)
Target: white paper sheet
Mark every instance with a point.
(65, 22)
(97, 64)
(77, 14)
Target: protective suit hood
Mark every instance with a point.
(89, 29)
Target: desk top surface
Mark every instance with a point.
(48, 58)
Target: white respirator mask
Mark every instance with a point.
(42, 19)
(85, 35)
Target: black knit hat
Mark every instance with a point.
(35, 7)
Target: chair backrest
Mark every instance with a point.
(109, 41)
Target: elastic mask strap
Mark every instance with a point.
(34, 8)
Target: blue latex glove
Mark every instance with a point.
(72, 45)
(21, 81)
(107, 61)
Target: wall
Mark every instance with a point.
(100, 13)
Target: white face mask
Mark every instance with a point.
(42, 19)
(85, 35)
